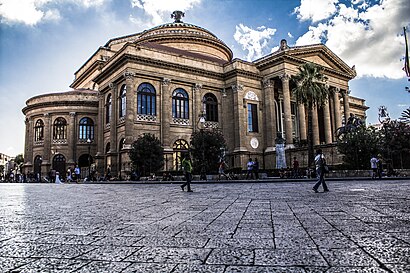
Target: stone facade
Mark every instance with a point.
(161, 80)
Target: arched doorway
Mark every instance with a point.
(180, 147)
(37, 167)
(59, 164)
(84, 162)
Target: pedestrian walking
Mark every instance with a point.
(373, 166)
(255, 168)
(77, 173)
(187, 167)
(249, 168)
(379, 166)
(295, 168)
(57, 179)
(221, 170)
(320, 163)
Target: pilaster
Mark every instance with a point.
(197, 104)
(287, 108)
(336, 102)
(327, 123)
(166, 113)
(346, 106)
(315, 126)
(130, 111)
(47, 138)
(72, 138)
(270, 117)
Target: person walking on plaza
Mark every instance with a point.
(373, 165)
(221, 170)
(77, 173)
(320, 163)
(379, 166)
(295, 168)
(187, 167)
(255, 168)
(249, 168)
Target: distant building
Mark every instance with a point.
(161, 80)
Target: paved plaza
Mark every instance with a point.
(359, 226)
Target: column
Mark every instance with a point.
(336, 103)
(270, 118)
(72, 139)
(302, 122)
(130, 109)
(239, 119)
(28, 154)
(286, 108)
(197, 105)
(113, 128)
(327, 123)
(166, 98)
(315, 126)
(345, 95)
(99, 157)
(47, 144)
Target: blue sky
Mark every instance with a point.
(43, 42)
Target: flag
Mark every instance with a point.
(406, 67)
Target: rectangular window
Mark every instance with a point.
(252, 118)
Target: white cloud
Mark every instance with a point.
(254, 41)
(32, 12)
(290, 35)
(368, 38)
(160, 10)
(315, 10)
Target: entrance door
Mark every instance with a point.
(59, 164)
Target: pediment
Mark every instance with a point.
(321, 55)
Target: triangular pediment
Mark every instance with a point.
(321, 55)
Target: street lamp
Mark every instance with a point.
(202, 121)
(89, 158)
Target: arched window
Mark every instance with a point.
(146, 99)
(122, 144)
(60, 128)
(210, 107)
(86, 130)
(180, 148)
(108, 109)
(180, 104)
(123, 101)
(107, 148)
(39, 130)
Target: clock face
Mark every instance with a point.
(254, 142)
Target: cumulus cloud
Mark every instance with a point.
(367, 36)
(315, 10)
(160, 10)
(290, 35)
(253, 41)
(32, 12)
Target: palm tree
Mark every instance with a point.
(405, 116)
(311, 90)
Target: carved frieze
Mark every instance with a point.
(250, 95)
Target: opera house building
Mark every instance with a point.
(160, 81)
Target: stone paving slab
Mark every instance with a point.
(359, 226)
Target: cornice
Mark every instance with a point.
(238, 72)
(76, 103)
(154, 63)
(97, 65)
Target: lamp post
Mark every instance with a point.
(89, 158)
(202, 121)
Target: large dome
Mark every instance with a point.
(181, 36)
(187, 37)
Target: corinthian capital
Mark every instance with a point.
(112, 85)
(237, 87)
(197, 87)
(166, 81)
(267, 83)
(128, 75)
(284, 77)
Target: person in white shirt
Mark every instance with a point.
(373, 165)
(320, 163)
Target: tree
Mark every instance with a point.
(396, 142)
(405, 116)
(19, 159)
(147, 154)
(311, 91)
(206, 150)
(359, 146)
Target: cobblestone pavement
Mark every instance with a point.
(359, 226)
